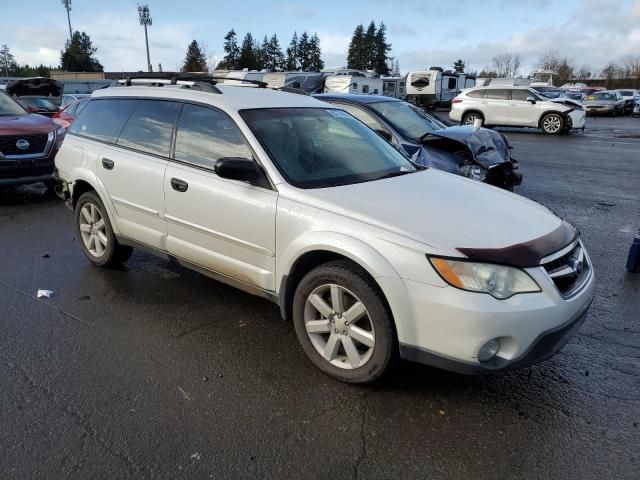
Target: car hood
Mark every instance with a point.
(489, 148)
(568, 102)
(444, 211)
(25, 125)
(36, 87)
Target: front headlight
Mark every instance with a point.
(499, 281)
(473, 172)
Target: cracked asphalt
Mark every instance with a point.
(154, 371)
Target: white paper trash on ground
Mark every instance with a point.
(45, 293)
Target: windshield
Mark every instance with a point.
(8, 106)
(323, 147)
(407, 119)
(602, 96)
(39, 103)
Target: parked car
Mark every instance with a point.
(69, 98)
(517, 107)
(605, 103)
(37, 95)
(636, 107)
(67, 115)
(28, 145)
(629, 97)
(482, 154)
(577, 96)
(590, 90)
(295, 200)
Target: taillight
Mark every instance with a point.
(456, 100)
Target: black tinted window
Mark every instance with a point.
(498, 94)
(205, 135)
(150, 127)
(477, 94)
(103, 119)
(453, 83)
(520, 95)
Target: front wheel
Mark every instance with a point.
(343, 323)
(552, 124)
(470, 118)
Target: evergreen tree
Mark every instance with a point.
(79, 55)
(231, 50)
(355, 55)
(292, 62)
(370, 47)
(396, 69)
(247, 57)
(259, 56)
(303, 51)
(315, 54)
(8, 64)
(263, 53)
(274, 58)
(381, 51)
(194, 60)
(458, 66)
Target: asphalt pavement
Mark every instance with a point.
(154, 371)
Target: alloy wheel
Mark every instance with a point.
(552, 124)
(470, 119)
(93, 230)
(339, 326)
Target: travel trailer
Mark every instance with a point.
(395, 87)
(542, 78)
(310, 82)
(242, 75)
(357, 83)
(433, 87)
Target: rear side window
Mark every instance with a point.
(520, 95)
(477, 94)
(498, 94)
(103, 119)
(150, 127)
(205, 135)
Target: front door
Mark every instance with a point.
(523, 113)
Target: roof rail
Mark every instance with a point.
(198, 83)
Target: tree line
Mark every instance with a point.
(369, 50)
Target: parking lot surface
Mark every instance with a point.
(153, 371)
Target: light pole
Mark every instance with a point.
(67, 5)
(145, 19)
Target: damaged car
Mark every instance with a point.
(605, 103)
(38, 94)
(476, 153)
(517, 107)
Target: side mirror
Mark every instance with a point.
(236, 168)
(384, 134)
(532, 100)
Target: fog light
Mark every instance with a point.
(489, 350)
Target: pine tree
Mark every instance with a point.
(79, 55)
(315, 54)
(292, 62)
(396, 69)
(194, 60)
(303, 52)
(274, 59)
(8, 64)
(370, 47)
(247, 57)
(263, 53)
(458, 66)
(259, 56)
(231, 50)
(355, 56)
(381, 51)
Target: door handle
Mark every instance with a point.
(179, 185)
(108, 163)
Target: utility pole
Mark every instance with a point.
(67, 6)
(145, 19)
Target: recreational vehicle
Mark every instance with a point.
(432, 88)
(310, 82)
(353, 84)
(395, 87)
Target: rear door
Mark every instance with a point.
(132, 171)
(496, 110)
(226, 226)
(523, 113)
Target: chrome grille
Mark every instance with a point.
(569, 269)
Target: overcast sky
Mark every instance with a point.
(422, 32)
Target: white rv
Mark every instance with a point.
(358, 83)
(242, 75)
(310, 82)
(395, 87)
(432, 88)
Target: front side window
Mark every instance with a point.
(520, 95)
(324, 147)
(9, 106)
(498, 94)
(150, 127)
(205, 135)
(410, 121)
(103, 119)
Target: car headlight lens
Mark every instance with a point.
(473, 172)
(499, 281)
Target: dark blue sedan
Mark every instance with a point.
(476, 153)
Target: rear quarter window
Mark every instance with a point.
(477, 93)
(103, 119)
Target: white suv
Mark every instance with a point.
(517, 107)
(295, 200)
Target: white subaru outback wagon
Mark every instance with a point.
(287, 197)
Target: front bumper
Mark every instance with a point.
(450, 326)
(578, 119)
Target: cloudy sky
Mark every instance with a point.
(423, 32)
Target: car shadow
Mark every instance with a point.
(26, 194)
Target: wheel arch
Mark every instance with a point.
(85, 182)
(472, 110)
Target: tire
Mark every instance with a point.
(552, 124)
(353, 351)
(470, 118)
(95, 233)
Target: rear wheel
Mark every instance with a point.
(552, 124)
(470, 118)
(96, 234)
(343, 323)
